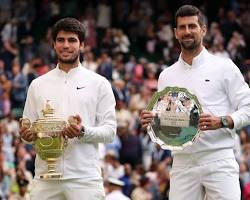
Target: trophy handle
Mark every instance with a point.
(72, 120)
(25, 122)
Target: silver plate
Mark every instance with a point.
(176, 114)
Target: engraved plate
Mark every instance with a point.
(176, 114)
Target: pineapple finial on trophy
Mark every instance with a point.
(48, 111)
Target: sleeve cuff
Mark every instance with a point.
(236, 121)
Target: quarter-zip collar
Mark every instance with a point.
(71, 72)
(197, 60)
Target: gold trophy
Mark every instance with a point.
(49, 142)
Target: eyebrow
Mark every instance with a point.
(66, 38)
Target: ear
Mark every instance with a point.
(204, 30)
(175, 33)
(81, 46)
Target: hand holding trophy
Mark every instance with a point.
(48, 139)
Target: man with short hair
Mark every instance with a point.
(85, 96)
(208, 167)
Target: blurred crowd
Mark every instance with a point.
(130, 43)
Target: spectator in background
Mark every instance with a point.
(236, 46)
(107, 42)
(23, 193)
(90, 25)
(44, 50)
(142, 191)
(127, 179)
(121, 42)
(5, 89)
(244, 173)
(19, 87)
(9, 40)
(5, 11)
(219, 50)
(230, 25)
(105, 67)
(113, 167)
(115, 190)
(5, 177)
(89, 61)
(131, 148)
(27, 47)
(103, 18)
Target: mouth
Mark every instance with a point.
(187, 39)
(65, 54)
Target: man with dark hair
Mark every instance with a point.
(208, 167)
(86, 97)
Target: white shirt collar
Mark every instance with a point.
(197, 60)
(71, 72)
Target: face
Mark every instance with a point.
(67, 47)
(189, 33)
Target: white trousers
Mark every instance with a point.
(72, 189)
(211, 180)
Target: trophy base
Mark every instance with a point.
(51, 176)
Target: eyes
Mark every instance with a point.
(188, 26)
(69, 40)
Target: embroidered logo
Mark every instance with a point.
(78, 88)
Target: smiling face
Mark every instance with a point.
(189, 32)
(67, 46)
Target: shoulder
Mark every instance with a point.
(170, 70)
(43, 77)
(220, 62)
(93, 76)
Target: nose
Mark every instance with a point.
(187, 30)
(65, 44)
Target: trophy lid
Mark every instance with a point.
(48, 122)
(48, 111)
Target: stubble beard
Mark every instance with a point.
(70, 60)
(190, 46)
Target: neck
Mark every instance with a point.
(67, 67)
(188, 55)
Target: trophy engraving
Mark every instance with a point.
(49, 143)
(176, 115)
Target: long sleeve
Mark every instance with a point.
(239, 95)
(30, 107)
(105, 130)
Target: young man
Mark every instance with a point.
(73, 91)
(208, 167)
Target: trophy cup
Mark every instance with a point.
(176, 115)
(49, 142)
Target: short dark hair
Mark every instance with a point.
(189, 10)
(69, 24)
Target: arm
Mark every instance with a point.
(105, 130)
(239, 94)
(29, 113)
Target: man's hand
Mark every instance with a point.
(27, 135)
(74, 127)
(145, 118)
(209, 122)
